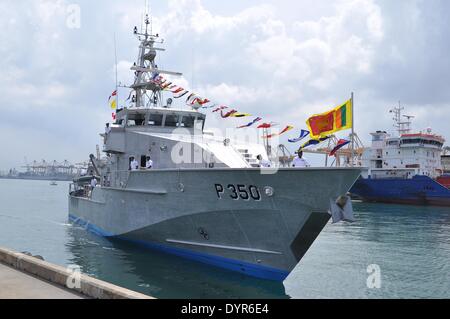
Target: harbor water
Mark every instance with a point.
(407, 248)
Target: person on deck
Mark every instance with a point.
(134, 165)
(93, 182)
(107, 131)
(299, 161)
(149, 163)
(263, 163)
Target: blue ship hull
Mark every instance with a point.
(420, 190)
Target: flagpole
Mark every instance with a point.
(353, 131)
(117, 84)
(266, 140)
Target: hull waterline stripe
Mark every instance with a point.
(223, 247)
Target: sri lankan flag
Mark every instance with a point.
(326, 124)
(343, 117)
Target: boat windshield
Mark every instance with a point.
(188, 121)
(172, 120)
(136, 120)
(155, 120)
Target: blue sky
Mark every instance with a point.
(283, 60)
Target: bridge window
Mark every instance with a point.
(136, 120)
(188, 121)
(172, 121)
(155, 120)
(412, 141)
(377, 138)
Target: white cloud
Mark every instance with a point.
(283, 60)
(232, 94)
(191, 15)
(317, 50)
(124, 73)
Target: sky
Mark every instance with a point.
(282, 60)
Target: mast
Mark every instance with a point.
(402, 126)
(147, 92)
(117, 81)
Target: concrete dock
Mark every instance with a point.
(18, 285)
(27, 277)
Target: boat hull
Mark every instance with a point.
(264, 232)
(420, 190)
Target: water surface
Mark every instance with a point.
(411, 245)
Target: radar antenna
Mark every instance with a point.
(148, 92)
(402, 123)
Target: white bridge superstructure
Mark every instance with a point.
(404, 156)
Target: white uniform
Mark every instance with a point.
(300, 162)
(149, 164)
(265, 163)
(107, 130)
(134, 165)
(93, 182)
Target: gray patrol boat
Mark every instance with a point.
(205, 197)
